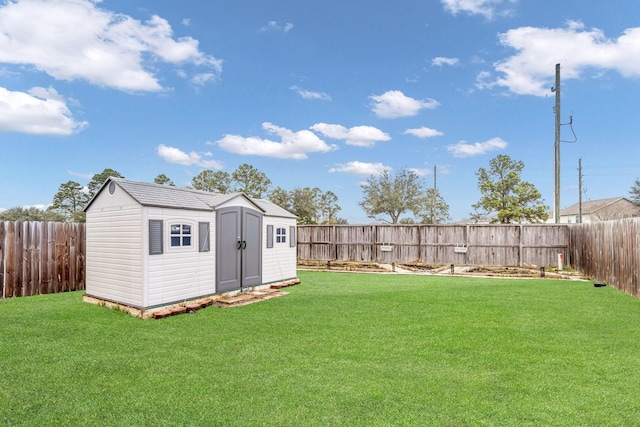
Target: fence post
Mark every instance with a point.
(334, 239)
(520, 246)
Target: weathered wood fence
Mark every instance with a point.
(41, 258)
(477, 244)
(609, 251)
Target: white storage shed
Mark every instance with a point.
(149, 245)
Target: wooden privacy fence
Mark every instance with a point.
(41, 258)
(609, 251)
(477, 244)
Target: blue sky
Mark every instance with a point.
(318, 93)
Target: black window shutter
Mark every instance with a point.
(203, 237)
(269, 236)
(292, 235)
(155, 236)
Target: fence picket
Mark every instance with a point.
(10, 264)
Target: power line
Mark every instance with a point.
(611, 174)
(616, 166)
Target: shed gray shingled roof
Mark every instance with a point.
(164, 196)
(272, 209)
(148, 194)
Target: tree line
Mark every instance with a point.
(400, 198)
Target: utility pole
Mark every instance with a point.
(580, 190)
(556, 89)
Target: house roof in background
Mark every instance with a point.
(592, 206)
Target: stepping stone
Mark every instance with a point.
(161, 314)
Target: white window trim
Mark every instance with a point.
(194, 235)
(280, 233)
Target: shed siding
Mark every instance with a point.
(278, 262)
(114, 265)
(180, 273)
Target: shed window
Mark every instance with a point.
(281, 235)
(180, 235)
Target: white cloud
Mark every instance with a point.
(360, 168)
(486, 8)
(421, 171)
(82, 175)
(175, 155)
(531, 70)
(443, 169)
(483, 80)
(423, 132)
(40, 111)
(276, 26)
(292, 145)
(306, 94)
(441, 60)
(360, 136)
(94, 44)
(41, 206)
(394, 103)
(463, 149)
(203, 78)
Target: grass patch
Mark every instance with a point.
(341, 349)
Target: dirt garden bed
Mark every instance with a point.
(418, 268)
(530, 271)
(341, 266)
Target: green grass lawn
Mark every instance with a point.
(341, 349)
